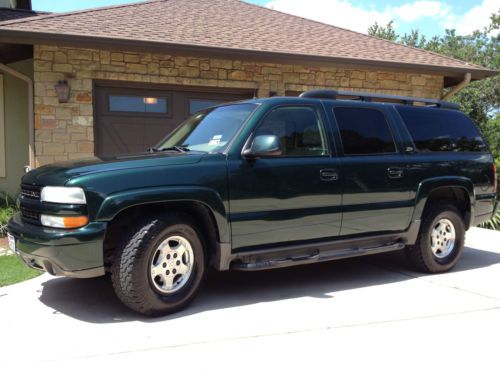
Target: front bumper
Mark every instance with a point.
(73, 253)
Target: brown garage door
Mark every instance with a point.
(130, 119)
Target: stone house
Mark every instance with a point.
(133, 72)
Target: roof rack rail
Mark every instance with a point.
(368, 97)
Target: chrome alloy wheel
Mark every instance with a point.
(172, 264)
(443, 238)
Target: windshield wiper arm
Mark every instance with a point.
(173, 148)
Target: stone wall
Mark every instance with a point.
(65, 130)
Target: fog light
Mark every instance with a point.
(64, 221)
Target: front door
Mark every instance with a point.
(290, 197)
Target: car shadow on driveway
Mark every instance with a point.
(93, 300)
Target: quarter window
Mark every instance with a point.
(364, 131)
(441, 130)
(299, 129)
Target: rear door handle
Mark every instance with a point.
(395, 172)
(328, 175)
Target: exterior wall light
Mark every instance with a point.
(62, 90)
(150, 100)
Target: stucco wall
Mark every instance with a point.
(65, 131)
(16, 127)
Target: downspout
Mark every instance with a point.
(31, 115)
(458, 87)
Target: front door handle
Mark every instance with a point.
(395, 172)
(328, 175)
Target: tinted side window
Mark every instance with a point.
(299, 129)
(441, 130)
(364, 131)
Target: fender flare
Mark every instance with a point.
(428, 186)
(115, 203)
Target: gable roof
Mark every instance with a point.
(227, 27)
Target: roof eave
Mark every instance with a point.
(31, 38)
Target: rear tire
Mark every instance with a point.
(440, 241)
(160, 266)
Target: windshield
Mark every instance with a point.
(209, 130)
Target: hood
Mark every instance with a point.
(58, 174)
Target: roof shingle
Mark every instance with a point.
(231, 25)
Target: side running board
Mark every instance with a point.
(313, 257)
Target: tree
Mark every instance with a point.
(480, 99)
(386, 32)
(414, 39)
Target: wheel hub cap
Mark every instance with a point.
(172, 264)
(443, 238)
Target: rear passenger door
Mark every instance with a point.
(373, 169)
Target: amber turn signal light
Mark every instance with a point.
(66, 222)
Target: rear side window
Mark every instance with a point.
(364, 131)
(439, 130)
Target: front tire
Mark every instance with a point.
(159, 268)
(440, 242)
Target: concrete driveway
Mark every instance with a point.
(370, 314)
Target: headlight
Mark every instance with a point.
(63, 222)
(62, 194)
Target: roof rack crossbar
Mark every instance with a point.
(368, 97)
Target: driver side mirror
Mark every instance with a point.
(263, 145)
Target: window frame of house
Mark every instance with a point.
(133, 113)
(3, 151)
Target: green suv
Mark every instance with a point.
(262, 184)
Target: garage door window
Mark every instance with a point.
(141, 104)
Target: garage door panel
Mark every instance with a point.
(125, 137)
(119, 138)
(156, 133)
(132, 119)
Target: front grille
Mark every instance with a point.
(29, 216)
(30, 191)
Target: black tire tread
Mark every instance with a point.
(121, 274)
(415, 253)
(131, 248)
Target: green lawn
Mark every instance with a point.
(12, 270)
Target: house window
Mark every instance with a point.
(143, 104)
(2, 131)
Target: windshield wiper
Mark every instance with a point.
(173, 148)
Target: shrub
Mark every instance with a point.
(7, 209)
(494, 223)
